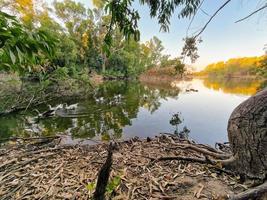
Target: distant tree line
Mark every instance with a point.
(237, 67)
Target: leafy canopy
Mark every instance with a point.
(20, 48)
(126, 18)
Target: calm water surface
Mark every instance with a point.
(123, 110)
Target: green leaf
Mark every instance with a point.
(91, 186)
(105, 137)
(113, 184)
(12, 56)
(19, 54)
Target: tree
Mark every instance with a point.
(247, 132)
(71, 13)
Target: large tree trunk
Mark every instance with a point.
(247, 132)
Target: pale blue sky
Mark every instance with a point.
(223, 39)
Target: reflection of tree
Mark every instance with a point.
(116, 103)
(176, 120)
(107, 110)
(154, 92)
(233, 85)
(7, 127)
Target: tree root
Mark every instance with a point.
(214, 164)
(200, 148)
(252, 193)
(204, 151)
(188, 159)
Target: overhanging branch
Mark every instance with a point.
(217, 11)
(253, 13)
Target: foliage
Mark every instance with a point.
(262, 71)
(127, 18)
(235, 67)
(113, 184)
(90, 187)
(83, 43)
(190, 48)
(21, 49)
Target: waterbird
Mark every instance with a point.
(71, 107)
(99, 100)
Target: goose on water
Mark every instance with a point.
(71, 107)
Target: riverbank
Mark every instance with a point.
(47, 170)
(166, 75)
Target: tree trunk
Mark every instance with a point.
(247, 133)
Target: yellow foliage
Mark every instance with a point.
(85, 38)
(234, 67)
(26, 9)
(99, 3)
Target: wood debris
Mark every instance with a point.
(53, 171)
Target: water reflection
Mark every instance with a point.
(234, 85)
(120, 109)
(175, 121)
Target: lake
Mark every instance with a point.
(122, 110)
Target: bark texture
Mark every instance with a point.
(247, 133)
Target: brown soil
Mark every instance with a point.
(50, 171)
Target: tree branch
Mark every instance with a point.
(253, 13)
(204, 27)
(191, 21)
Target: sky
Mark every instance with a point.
(222, 39)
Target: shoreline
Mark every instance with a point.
(47, 170)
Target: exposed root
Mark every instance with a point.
(214, 164)
(252, 193)
(188, 159)
(218, 155)
(200, 148)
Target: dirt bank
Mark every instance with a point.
(50, 171)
